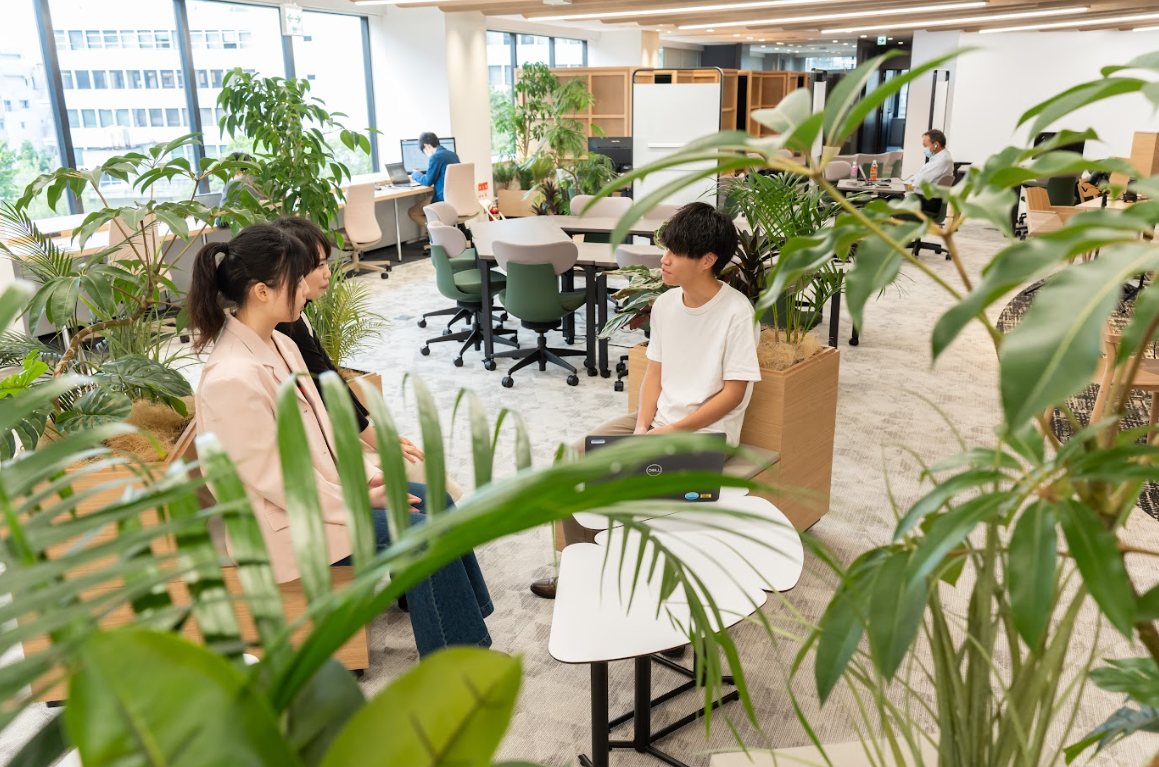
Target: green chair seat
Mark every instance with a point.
(469, 281)
(569, 300)
(466, 260)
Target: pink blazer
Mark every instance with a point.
(236, 400)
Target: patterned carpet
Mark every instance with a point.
(1083, 403)
(890, 400)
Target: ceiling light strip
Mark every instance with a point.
(1076, 23)
(967, 20)
(684, 9)
(845, 15)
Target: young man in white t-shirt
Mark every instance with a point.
(702, 353)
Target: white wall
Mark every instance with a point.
(993, 86)
(616, 49)
(927, 46)
(467, 90)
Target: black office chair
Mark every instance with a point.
(939, 217)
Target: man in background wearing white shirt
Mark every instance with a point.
(939, 165)
(702, 352)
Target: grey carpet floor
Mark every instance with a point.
(891, 402)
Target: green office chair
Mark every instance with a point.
(465, 288)
(533, 295)
(461, 258)
(940, 218)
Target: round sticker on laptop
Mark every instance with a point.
(690, 496)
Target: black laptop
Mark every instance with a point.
(708, 461)
(398, 175)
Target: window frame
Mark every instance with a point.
(516, 63)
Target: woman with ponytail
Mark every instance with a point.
(241, 291)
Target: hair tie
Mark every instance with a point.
(221, 254)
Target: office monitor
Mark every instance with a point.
(413, 157)
(616, 148)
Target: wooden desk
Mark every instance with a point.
(595, 259)
(1097, 203)
(895, 188)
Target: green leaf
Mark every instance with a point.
(150, 698)
(1096, 554)
(31, 369)
(1072, 99)
(877, 265)
(1054, 351)
(1126, 721)
(896, 605)
(351, 469)
(842, 625)
(320, 710)
(451, 709)
(1034, 546)
(942, 493)
(94, 408)
(134, 372)
(1147, 608)
(950, 529)
(1135, 677)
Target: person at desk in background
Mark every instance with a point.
(438, 158)
(702, 354)
(939, 164)
(241, 181)
(302, 333)
(241, 291)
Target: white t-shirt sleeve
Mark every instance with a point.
(740, 350)
(656, 325)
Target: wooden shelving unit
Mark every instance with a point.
(612, 108)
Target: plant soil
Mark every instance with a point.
(776, 354)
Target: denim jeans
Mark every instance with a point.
(449, 607)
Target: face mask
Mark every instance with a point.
(928, 152)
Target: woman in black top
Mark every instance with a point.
(318, 361)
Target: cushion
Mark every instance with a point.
(466, 260)
(746, 467)
(468, 280)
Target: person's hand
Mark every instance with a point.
(662, 430)
(410, 450)
(377, 480)
(378, 497)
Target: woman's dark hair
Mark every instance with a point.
(308, 232)
(428, 139)
(698, 229)
(224, 272)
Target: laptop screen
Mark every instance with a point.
(398, 174)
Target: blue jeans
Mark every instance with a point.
(449, 607)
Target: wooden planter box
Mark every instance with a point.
(354, 654)
(374, 379)
(793, 412)
(512, 204)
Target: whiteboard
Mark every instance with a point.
(665, 118)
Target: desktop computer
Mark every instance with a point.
(412, 156)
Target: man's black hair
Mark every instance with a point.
(698, 229)
(428, 139)
(937, 137)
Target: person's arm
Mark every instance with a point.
(725, 401)
(434, 170)
(649, 396)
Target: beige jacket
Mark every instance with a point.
(236, 400)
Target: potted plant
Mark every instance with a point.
(345, 323)
(799, 373)
(1008, 671)
(143, 692)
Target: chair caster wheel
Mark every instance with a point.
(508, 382)
(854, 341)
(185, 339)
(503, 317)
(948, 258)
(425, 351)
(489, 364)
(458, 362)
(606, 373)
(592, 372)
(422, 323)
(621, 368)
(446, 331)
(383, 275)
(619, 386)
(573, 380)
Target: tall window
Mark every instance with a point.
(570, 53)
(214, 55)
(507, 51)
(332, 57)
(533, 49)
(153, 24)
(28, 143)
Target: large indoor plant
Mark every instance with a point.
(299, 173)
(143, 695)
(114, 310)
(994, 516)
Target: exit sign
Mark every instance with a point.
(881, 40)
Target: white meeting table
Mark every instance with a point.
(593, 258)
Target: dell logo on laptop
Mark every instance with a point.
(654, 470)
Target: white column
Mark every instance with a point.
(927, 46)
(468, 90)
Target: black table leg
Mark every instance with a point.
(591, 286)
(602, 316)
(834, 318)
(642, 710)
(568, 284)
(599, 757)
(484, 268)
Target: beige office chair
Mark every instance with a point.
(361, 228)
(895, 159)
(838, 170)
(607, 207)
(459, 190)
(662, 212)
(441, 212)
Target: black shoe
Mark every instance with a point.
(544, 587)
(402, 605)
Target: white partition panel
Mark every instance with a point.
(666, 117)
